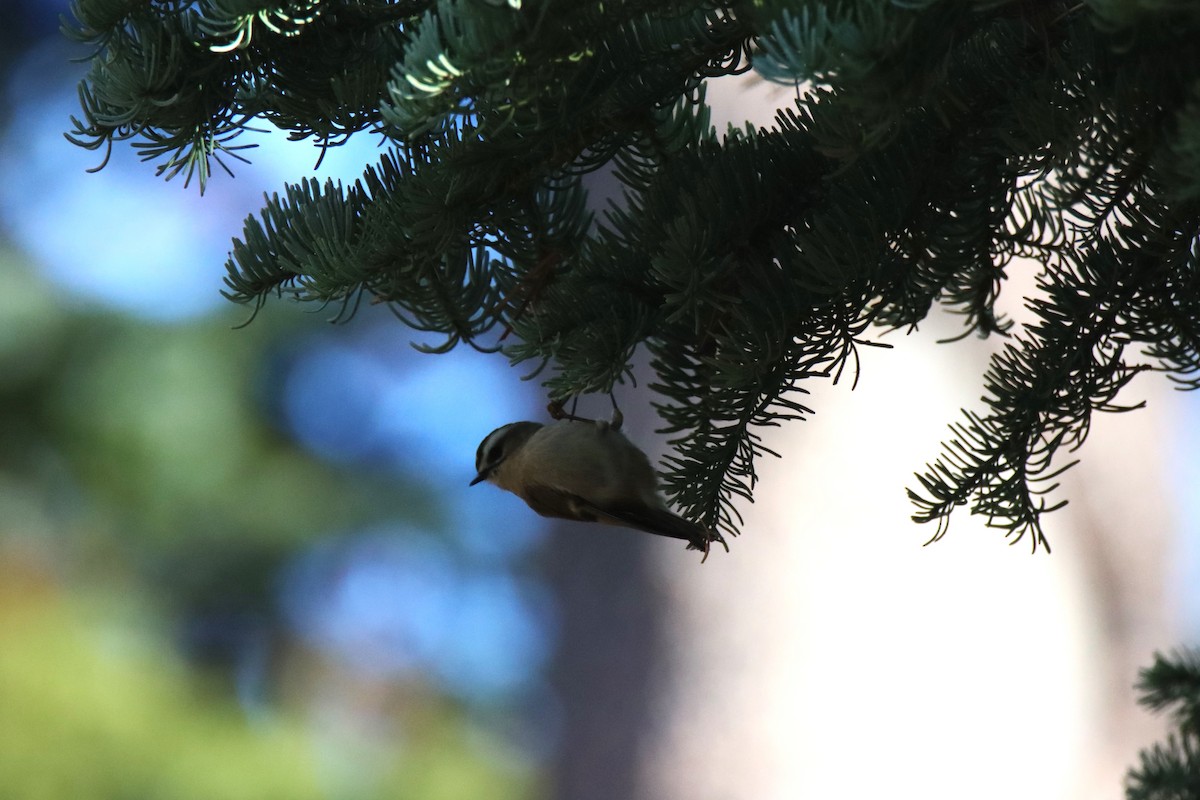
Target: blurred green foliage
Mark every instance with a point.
(93, 705)
(141, 484)
(153, 437)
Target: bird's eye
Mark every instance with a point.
(493, 454)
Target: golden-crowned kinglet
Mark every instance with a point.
(583, 470)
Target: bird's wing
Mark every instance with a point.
(553, 502)
(550, 501)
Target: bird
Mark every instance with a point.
(584, 470)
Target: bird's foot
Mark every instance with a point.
(557, 412)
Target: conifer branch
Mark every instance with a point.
(932, 145)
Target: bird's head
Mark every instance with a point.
(498, 446)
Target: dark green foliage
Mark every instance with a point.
(931, 142)
(1170, 770)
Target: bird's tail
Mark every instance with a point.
(666, 523)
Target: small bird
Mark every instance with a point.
(583, 470)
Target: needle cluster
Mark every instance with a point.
(1170, 769)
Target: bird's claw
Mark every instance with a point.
(558, 412)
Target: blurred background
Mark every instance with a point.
(243, 562)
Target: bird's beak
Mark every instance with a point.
(480, 477)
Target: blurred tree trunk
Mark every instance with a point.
(830, 637)
(608, 640)
(610, 627)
